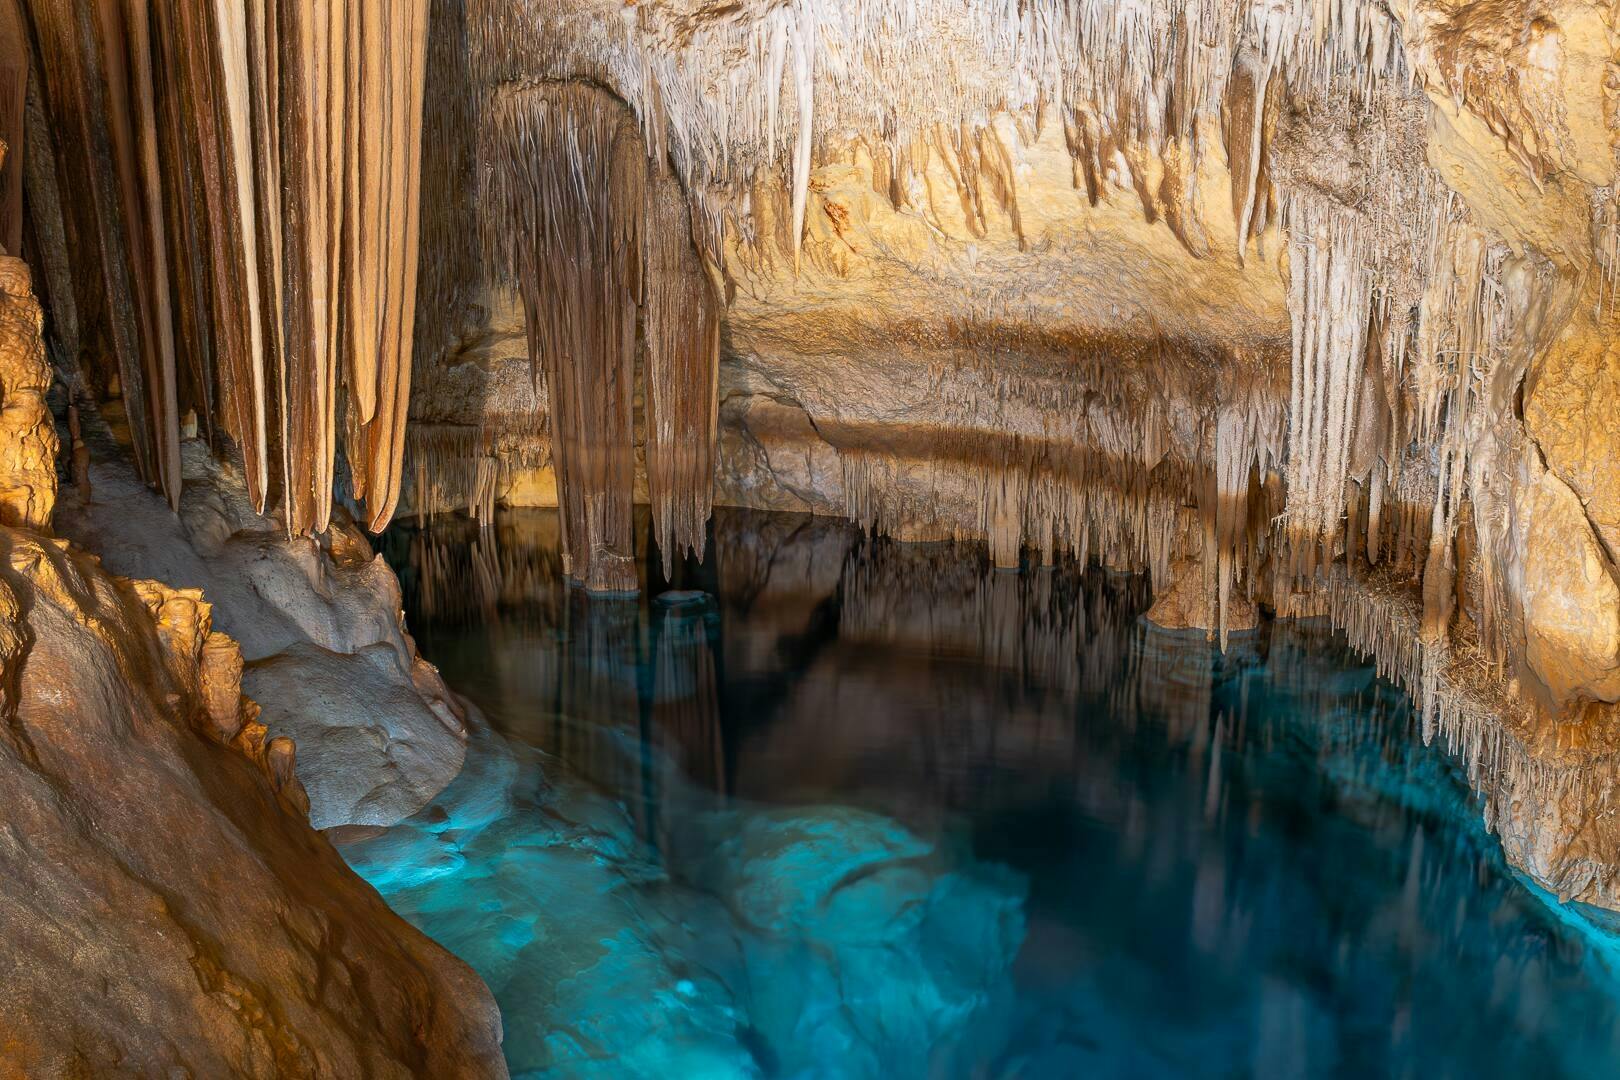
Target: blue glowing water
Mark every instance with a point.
(840, 808)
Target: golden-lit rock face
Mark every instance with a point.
(1571, 600)
(167, 909)
(28, 440)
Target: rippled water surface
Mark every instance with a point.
(828, 807)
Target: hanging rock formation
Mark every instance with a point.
(168, 909)
(599, 242)
(242, 186)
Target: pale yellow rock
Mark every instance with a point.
(1572, 409)
(28, 439)
(1569, 594)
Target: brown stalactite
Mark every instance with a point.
(597, 236)
(222, 145)
(13, 109)
(390, 71)
(225, 249)
(305, 59)
(682, 333)
(75, 89)
(570, 178)
(132, 121)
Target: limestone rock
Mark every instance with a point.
(317, 619)
(371, 750)
(27, 435)
(1186, 602)
(168, 910)
(1570, 410)
(1570, 597)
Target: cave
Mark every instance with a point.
(809, 538)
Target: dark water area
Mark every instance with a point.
(826, 806)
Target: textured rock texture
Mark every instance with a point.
(27, 436)
(319, 624)
(167, 909)
(371, 748)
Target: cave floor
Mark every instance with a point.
(829, 806)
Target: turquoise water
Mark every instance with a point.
(831, 807)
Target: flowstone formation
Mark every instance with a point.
(1298, 307)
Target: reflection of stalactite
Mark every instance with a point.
(253, 166)
(451, 464)
(594, 238)
(686, 697)
(1055, 627)
(1090, 506)
(517, 566)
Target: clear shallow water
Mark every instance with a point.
(860, 809)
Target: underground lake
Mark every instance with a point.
(831, 806)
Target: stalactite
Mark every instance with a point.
(1244, 125)
(230, 37)
(569, 183)
(804, 87)
(125, 40)
(45, 233)
(1606, 229)
(1328, 300)
(13, 110)
(388, 65)
(682, 333)
(312, 41)
(596, 237)
(76, 91)
(215, 136)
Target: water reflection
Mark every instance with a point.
(824, 750)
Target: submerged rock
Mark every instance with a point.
(818, 942)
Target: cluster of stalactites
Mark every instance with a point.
(596, 237)
(735, 94)
(248, 171)
(1329, 299)
(681, 329)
